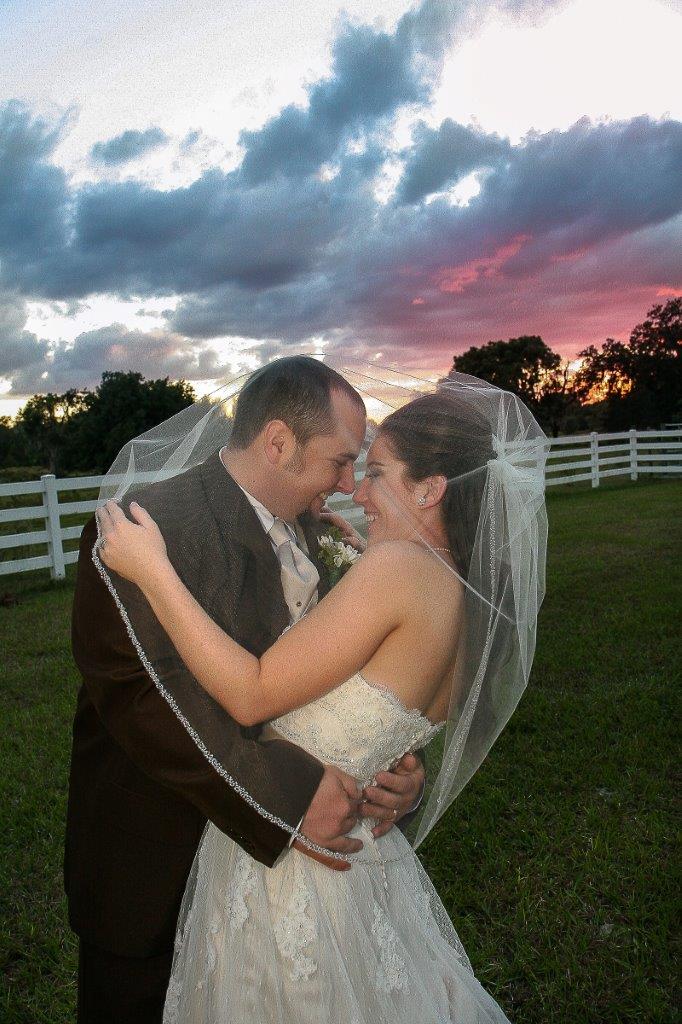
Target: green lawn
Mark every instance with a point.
(556, 862)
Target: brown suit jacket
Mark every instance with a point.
(140, 790)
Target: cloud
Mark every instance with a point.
(560, 191)
(550, 197)
(129, 145)
(571, 301)
(155, 354)
(374, 74)
(439, 157)
(19, 348)
(34, 194)
(33, 364)
(296, 244)
(190, 139)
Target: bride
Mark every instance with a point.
(428, 637)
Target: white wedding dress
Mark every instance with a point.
(302, 944)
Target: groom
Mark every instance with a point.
(140, 790)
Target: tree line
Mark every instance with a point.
(82, 431)
(616, 387)
(620, 385)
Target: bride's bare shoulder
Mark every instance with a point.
(407, 560)
(407, 577)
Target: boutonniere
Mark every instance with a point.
(336, 556)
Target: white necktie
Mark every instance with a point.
(299, 575)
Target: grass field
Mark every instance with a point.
(556, 862)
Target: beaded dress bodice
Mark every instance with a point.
(360, 727)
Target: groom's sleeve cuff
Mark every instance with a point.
(288, 846)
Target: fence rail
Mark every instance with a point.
(572, 459)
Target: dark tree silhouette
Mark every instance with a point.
(637, 383)
(530, 369)
(123, 406)
(517, 365)
(14, 446)
(45, 422)
(85, 430)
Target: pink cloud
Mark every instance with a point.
(457, 278)
(568, 257)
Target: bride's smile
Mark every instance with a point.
(394, 505)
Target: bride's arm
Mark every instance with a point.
(332, 642)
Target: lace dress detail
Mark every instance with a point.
(243, 883)
(360, 727)
(392, 973)
(294, 932)
(299, 943)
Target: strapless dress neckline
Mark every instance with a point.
(399, 703)
(361, 727)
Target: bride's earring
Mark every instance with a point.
(422, 500)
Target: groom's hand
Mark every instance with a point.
(332, 814)
(396, 794)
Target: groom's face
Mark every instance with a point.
(325, 464)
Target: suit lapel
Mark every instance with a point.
(239, 524)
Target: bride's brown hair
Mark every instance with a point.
(440, 434)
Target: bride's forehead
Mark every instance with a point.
(379, 450)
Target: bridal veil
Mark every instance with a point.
(497, 530)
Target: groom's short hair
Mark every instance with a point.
(297, 390)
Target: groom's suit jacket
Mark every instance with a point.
(140, 790)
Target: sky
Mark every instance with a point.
(191, 189)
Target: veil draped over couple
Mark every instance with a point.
(276, 710)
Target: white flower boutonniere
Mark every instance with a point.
(336, 556)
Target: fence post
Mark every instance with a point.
(53, 526)
(633, 454)
(594, 457)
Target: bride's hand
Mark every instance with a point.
(348, 534)
(396, 793)
(136, 551)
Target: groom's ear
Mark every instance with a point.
(279, 443)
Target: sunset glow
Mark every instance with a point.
(302, 192)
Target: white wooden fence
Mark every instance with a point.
(570, 460)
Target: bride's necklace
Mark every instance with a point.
(433, 547)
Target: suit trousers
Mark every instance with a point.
(119, 989)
